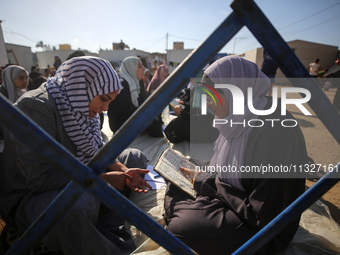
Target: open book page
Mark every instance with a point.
(168, 166)
(154, 179)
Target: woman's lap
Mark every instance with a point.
(205, 224)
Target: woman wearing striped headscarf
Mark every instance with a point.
(67, 108)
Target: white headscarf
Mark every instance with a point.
(9, 75)
(231, 143)
(73, 87)
(128, 71)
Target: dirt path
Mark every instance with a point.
(323, 149)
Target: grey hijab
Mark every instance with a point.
(128, 71)
(9, 75)
(231, 143)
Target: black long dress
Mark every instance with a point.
(121, 108)
(222, 217)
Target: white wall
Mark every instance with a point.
(3, 54)
(120, 55)
(20, 55)
(252, 55)
(46, 58)
(176, 56)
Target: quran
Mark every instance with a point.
(168, 165)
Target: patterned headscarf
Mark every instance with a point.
(128, 71)
(231, 144)
(9, 75)
(73, 87)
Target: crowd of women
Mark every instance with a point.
(229, 208)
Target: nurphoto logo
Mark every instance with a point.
(239, 103)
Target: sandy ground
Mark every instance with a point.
(322, 148)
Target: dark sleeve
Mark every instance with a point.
(205, 184)
(39, 173)
(185, 113)
(264, 198)
(3, 91)
(121, 108)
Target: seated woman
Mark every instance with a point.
(232, 206)
(14, 82)
(190, 123)
(67, 108)
(131, 97)
(145, 80)
(157, 79)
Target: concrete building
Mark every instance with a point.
(3, 53)
(307, 52)
(175, 57)
(65, 47)
(19, 55)
(178, 45)
(46, 58)
(117, 56)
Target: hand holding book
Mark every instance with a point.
(176, 169)
(190, 173)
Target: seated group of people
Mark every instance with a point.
(229, 207)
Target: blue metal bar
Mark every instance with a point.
(143, 117)
(52, 214)
(218, 33)
(37, 138)
(291, 66)
(291, 212)
(278, 49)
(148, 111)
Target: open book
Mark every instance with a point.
(168, 165)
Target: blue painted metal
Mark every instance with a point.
(191, 66)
(278, 49)
(87, 180)
(291, 66)
(41, 142)
(167, 91)
(291, 212)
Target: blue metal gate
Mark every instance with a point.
(85, 177)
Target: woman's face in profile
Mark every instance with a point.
(146, 76)
(21, 82)
(101, 103)
(165, 73)
(140, 70)
(219, 110)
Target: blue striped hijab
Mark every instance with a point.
(73, 87)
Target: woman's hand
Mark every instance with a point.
(189, 174)
(116, 179)
(178, 109)
(136, 182)
(130, 177)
